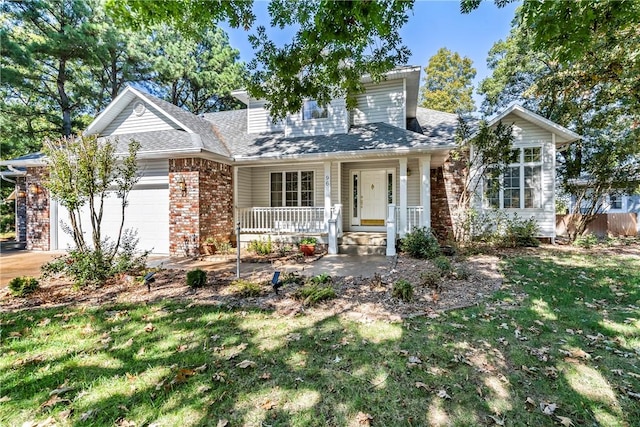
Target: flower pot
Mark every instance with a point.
(308, 250)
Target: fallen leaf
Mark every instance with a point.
(183, 375)
(4, 399)
(548, 408)
(293, 337)
(246, 364)
(496, 420)
(421, 385)
(414, 359)
(201, 369)
(565, 421)
(442, 393)
(87, 415)
(268, 405)
(219, 377)
(222, 423)
(364, 419)
(265, 376)
(149, 327)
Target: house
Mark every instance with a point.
(342, 175)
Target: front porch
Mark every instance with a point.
(372, 197)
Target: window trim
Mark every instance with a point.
(311, 119)
(299, 191)
(521, 165)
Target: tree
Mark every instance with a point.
(83, 171)
(196, 72)
(483, 152)
(596, 93)
(448, 83)
(335, 44)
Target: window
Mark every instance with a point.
(311, 110)
(520, 186)
(292, 189)
(616, 201)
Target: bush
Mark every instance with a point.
(520, 232)
(246, 288)
(88, 267)
(261, 247)
(53, 267)
(291, 278)
(420, 243)
(321, 279)
(403, 290)
(443, 264)
(196, 278)
(586, 241)
(312, 294)
(461, 273)
(431, 278)
(23, 286)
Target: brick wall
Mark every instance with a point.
(205, 210)
(447, 184)
(37, 209)
(21, 210)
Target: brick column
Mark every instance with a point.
(37, 206)
(203, 209)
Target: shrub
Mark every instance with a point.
(196, 278)
(520, 232)
(261, 247)
(312, 293)
(431, 278)
(23, 286)
(88, 267)
(224, 247)
(461, 273)
(55, 266)
(420, 243)
(586, 241)
(247, 288)
(443, 264)
(291, 278)
(321, 279)
(402, 290)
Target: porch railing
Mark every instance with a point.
(282, 220)
(414, 216)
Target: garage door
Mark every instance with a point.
(147, 213)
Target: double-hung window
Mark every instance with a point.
(292, 188)
(520, 185)
(312, 110)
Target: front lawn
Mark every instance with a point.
(558, 344)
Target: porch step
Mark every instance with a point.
(359, 243)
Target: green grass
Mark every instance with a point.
(565, 329)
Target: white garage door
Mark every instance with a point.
(147, 213)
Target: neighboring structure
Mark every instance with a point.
(380, 168)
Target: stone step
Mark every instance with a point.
(363, 239)
(362, 250)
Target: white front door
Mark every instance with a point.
(373, 203)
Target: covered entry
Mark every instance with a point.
(372, 192)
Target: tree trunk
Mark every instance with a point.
(64, 98)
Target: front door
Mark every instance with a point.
(373, 203)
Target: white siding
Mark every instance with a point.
(529, 135)
(336, 122)
(413, 183)
(258, 119)
(244, 188)
(153, 172)
(261, 179)
(381, 102)
(129, 122)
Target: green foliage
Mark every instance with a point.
(448, 83)
(247, 288)
(402, 290)
(431, 278)
(196, 278)
(520, 232)
(312, 294)
(420, 243)
(308, 241)
(461, 273)
(443, 264)
(261, 247)
(291, 278)
(23, 286)
(586, 241)
(321, 279)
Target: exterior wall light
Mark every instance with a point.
(183, 186)
(35, 189)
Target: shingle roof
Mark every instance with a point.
(232, 128)
(202, 127)
(159, 140)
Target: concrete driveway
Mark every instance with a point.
(14, 263)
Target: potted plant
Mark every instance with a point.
(308, 245)
(209, 245)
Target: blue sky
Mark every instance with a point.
(432, 25)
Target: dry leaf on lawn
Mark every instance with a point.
(222, 423)
(442, 393)
(87, 415)
(246, 364)
(149, 327)
(364, 419)
(496, 420)
(268, 405)
(421, 385)
(548, 408)
(565, 421)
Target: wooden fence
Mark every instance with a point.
(610, 224)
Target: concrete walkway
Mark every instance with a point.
(334, 265)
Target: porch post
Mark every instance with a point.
(402, 223)
(327, 192)
(391, 230)
(425, 190)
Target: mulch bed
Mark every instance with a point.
(363, 299)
